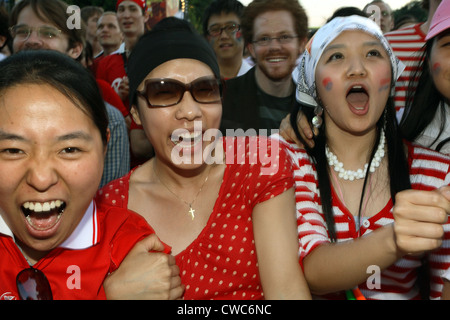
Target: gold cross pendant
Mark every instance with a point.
(192, 212)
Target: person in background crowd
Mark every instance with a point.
(345, 12)
(275, 32)
(361, 176)
(426, 119)
(41, 24)
(118, 156)
(111, 38)
(109, 34)
(221, 27)
(5, 36)
(404, 21)
(407, 44)
(34, 25)
(90, 16)
(381, 13)
(230, 223)
(132, 16)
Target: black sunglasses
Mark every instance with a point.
(169, 92)
(32, 284)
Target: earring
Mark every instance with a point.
(317, 120)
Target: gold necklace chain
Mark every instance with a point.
(191, 211)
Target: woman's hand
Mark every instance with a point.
(124, 88)
(145, 273)
(419, 217)
(288, 133)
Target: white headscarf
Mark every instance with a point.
(306, 69)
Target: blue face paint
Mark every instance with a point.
(384, 84)
(328, 84)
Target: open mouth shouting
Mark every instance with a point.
(43, 216)
(358, 99)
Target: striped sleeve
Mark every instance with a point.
(407, 45)
(431, 170)
(311, 226)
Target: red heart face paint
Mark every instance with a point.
(437, 68)
(327, 83)
(238, 36)
(384, 84)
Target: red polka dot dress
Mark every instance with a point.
(221, 262)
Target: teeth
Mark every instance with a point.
(38, 207)
(43, 207)
(191, 135)
(275, 60)
(46, 206)
(186, 136)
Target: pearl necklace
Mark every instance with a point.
(360, 173)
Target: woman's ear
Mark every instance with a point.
(76, 51)
(135, 115)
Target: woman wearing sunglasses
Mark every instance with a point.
(55, 240)
(231, 226)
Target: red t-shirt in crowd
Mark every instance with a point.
(221, 262)
(112, 69)
(76, 268)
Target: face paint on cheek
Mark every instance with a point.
(238, 36)
(437, 68)
(212, 41)
(327, 83)
(384, 84)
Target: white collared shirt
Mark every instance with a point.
(84, 236)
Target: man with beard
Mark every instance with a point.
(275, 33)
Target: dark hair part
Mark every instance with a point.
(347, 11)
(423, 102)
(218, 7)
(258, 7)
(397, 162)
(4, 28)
(62, 73)
(90, 11)
(377, 1)
(55, 12)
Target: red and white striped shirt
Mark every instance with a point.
(407, 44)
(428, 170)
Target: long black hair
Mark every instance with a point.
(423, 102)
(398, 170)
(397, 161)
